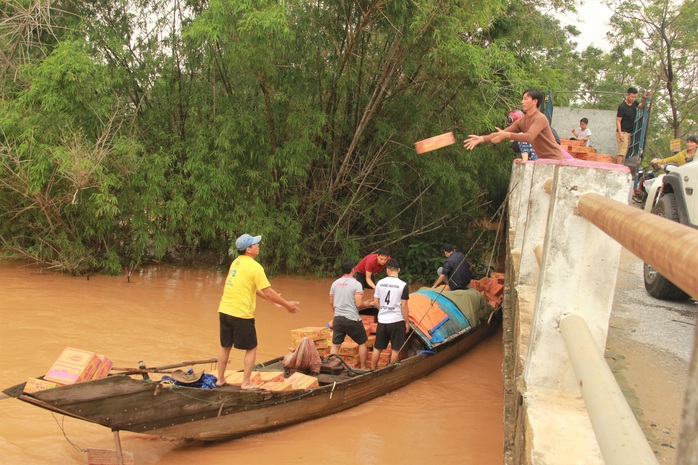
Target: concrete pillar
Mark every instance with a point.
(517, 171)
(578, 272)
(524, 187)
(536, 220)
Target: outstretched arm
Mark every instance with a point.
(272, 296)
(473, 141)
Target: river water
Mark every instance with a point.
(166, 315)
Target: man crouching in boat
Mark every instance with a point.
(246, 279)
(391, 298)
(345, 299)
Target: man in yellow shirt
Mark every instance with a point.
(246, 280)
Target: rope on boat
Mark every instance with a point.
(500, 213)
(60, 425)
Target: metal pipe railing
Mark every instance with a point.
(670, 247)
(620, 438)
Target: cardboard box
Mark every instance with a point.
(349, 347)
(271, 376)
(104, 367)
(235, 377)
(35, 385)
(302, 381)
(73, 366)
(313, 332)
(279, 386)
(371, 340)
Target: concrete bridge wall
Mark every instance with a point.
(546, 421)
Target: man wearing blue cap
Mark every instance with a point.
(246, 279)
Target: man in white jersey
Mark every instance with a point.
(391, 298)
(345, 300)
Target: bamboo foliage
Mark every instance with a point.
(168, 128)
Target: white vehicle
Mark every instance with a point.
(673, 196)
(652, 187)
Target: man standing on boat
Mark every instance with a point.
(345, 299)
(455, 272)
(246, 280)
(391, 298)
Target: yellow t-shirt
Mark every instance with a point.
(245, 278)
(679, 158)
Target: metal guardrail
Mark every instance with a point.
(671, 248)
(620, 438)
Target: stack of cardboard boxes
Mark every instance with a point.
(73, 366)
(321, 337)
(579, 150)
(274, 380)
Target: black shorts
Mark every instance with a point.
(360, 277)
(345, 327)
(390, 332)
(237, 332)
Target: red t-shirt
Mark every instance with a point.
(369, 263)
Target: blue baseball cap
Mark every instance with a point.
(245, 241)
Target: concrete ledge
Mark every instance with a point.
(558, 431)
(525, 305)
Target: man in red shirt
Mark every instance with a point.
(369, 266)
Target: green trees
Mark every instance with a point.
(166, 129)
(655, 46)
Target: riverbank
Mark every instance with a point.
(648, 349)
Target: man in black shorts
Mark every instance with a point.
(391, 298)
(345, 299)
(245, 278)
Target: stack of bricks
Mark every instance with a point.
(579, 150)
(321, 337)
(492, 288)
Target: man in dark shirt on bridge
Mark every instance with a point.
(455, 272)
(625, 120)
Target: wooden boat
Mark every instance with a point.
(130, 403)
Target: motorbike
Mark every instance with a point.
(645, 177)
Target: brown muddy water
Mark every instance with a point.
(168, 315)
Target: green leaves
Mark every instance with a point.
(165, 136)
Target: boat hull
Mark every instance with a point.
(120, 402)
